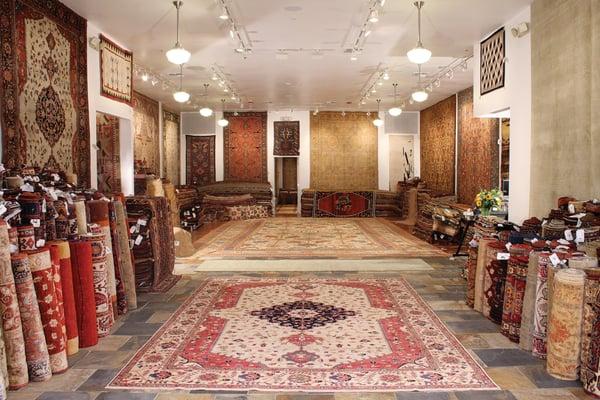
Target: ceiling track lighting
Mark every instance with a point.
(371, 18)
(375, 80)
(181, 96)
(378, 122)
(395, 110)
(206, 111)
(419, 54)
(178, 55)
(222, 122)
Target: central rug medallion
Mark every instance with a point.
(290, 334)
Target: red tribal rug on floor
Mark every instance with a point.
(290, 334)
(312, 237)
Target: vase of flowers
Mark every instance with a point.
(486, 200)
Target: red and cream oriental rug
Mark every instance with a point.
(312, 237)
(289, 334)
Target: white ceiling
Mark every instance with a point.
(450, 27)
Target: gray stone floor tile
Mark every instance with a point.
(422, 396)
(98, 381)
(137, 328)
(538, 375)
(506, 357)
(485, 395)
(473, 326)
(66, 396)
(126, 396)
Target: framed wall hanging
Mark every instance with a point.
(491, 62)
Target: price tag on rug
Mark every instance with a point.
(35, 222)
(508, 246)
(580, 236)
(2, 168)
(474, 243)
(544, 222)
(40, 243)
(142, 222)
(133, 229)
(568, 235)
(578, 223)
(502, 256)
(44, 205)
(554, 259)
(534, 240)
(572, 208)
(138, 240)
(131, 243)
(2, 209)
(563, 242)
(14, 248)
(26, 188)
(177, 243)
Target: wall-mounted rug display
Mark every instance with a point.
(478, 153)
(116, 71)
(171, 149)
(108, 159)
(491, 63)
(200, 160)
(296, 335)
(44, 101)
(438, 140)
(146, 142)
(287, 138)
(343, 151)
(402, 159)
(245, 147)
(344, 204)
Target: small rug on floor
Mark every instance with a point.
(298, 265)
(292, 334)
(312, 237)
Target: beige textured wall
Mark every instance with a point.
(565, 155)
(343, 151)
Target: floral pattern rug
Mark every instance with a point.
(293, 334)
(312, 237)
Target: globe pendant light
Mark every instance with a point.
(178, 55)
(181, 96)
(223, 122)
(206, 111)
(378, 122)
(419, 55)
(419, 95)
(395, 111)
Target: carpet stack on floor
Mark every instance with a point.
(378, 203)
(66, 271)
(262, 193)
(548, 278)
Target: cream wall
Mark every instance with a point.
(514, 99)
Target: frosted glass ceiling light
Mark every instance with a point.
(378, 122)
(178, 55)
(181, 96)
(223, 122)
(206, 111)
(395, 111)
(419, 55)
(419, 95)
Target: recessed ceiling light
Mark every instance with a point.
(292, 8)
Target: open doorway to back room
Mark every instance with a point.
(286, 186)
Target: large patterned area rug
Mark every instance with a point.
(312, 237)
(291, 334)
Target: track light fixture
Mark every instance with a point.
(178, 55)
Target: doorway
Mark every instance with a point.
(286, 186)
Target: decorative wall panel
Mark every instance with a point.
(402, 160)
(491, 68)
(146, 142)
(171, 147)
(245, 147)
(44, 100)
(116, 71)
(287, 138)
(438, 140)
(478, 163)
(108, 158)
(343, 151)
(200, 160)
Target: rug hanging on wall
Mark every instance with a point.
(245, 147)
(109, 164)
(116, 71)
(287, 138)
(438, 139)
(200, 160)
(43, 65)
(303, 335)
(344, 204)
(478, 154)
(171, 147)
(145, 126)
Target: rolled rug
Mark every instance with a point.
(55, 258)
(564, 324)
(83, 289)
(116, 255)
(14, 342)
(590, 338)
(127, 274)
(13, 239)
(3, 368)
(528, 310)
(36, 351)
(48, 302)
(471, 268)
(514, 292)
(62, 227)
(33, 213)
(480, 272)
(26, 235)
(98, 214)
(540, 316)
(81, 216)
(493, 282)
(68, 294)
(104, 315)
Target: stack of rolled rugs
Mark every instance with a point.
(65, 275)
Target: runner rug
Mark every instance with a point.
(290, 334)
(311, 238)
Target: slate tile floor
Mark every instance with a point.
(520, 376)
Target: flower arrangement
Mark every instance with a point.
(488, 199)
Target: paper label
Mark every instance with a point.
(2, 209)
(534, 240)
(35, 222)
(443, 218)
(580, 236)
(502, 256)
(138, 240)
(578, 223)
(40, 243)
(131, 243)
(500, 225)
(508, 246)
(2, 168)
(177, 243)
(544, 222)
(142, 222)
(568, 235)
(563, 241)
(473, 243)
(572, 208)
(27, 188)
(44, 205)
(14, 248)
(554, 259)
(133, 229)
